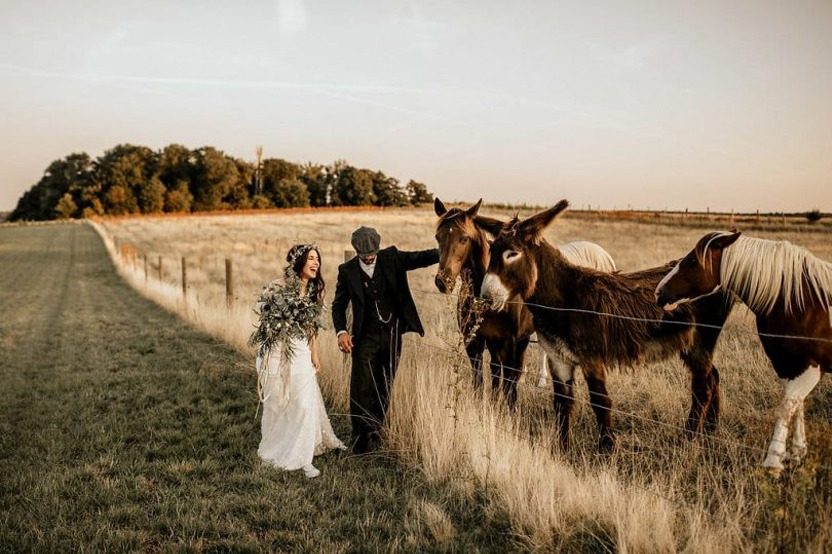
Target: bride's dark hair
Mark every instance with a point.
(296, 258)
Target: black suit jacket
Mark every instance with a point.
(393, 265)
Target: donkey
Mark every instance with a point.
(597, 318)
(790, 292)
(464, 252)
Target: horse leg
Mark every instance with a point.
(596, 380)
(798, 447)
(712, 414)
(796, 391)
(563, 378)
(496, 366)
(516, 353)
(474, 349)
(702, 389)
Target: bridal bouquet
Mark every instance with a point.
(284, 314)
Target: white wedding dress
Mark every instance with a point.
(295, 425)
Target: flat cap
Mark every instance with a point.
(365, 240)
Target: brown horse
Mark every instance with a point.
(464, 253)
(790, 292)
(598, 318)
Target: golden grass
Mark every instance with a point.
(657, 492)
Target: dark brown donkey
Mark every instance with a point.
(790, 292)
(464, 253)
(598, 319)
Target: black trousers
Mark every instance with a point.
(374, 363)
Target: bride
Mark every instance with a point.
(295, 426)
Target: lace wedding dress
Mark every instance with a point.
(295, 426)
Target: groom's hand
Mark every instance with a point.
(345, 343)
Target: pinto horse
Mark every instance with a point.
(595, 319)
(790, 292)
(464, 252)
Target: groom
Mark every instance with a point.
(375, 283)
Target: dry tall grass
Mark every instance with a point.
(657, 492)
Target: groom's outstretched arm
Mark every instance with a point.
(340, 302)
(417, 259)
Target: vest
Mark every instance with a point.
(377, 295)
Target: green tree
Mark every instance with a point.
(215, 176)
(417, 193)
(125, 176)
(66, 207)
(179, 197)
(387, 191)
(67, 175)
(353, 187)
(318, 180)
(119, 200)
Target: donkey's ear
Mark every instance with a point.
(472, 211)
(439, 207)
(489, 224)
(531, 230)
(724, 241)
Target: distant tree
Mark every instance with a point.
(417, 193)
(119, 200)
(67, 175)
(215, 176)
(124, 176)
(290, 193)
(353, 187)
(239, 197)
(179, 197)
(151, 196)
(318, 181)
(260, 202)
(66, 207)
(282, 184)
(387, 191)
(814, 216)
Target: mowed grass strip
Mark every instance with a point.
(122, 428)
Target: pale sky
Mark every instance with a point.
(721, 105)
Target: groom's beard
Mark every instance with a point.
(369, 269)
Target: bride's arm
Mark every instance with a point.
(313, 348)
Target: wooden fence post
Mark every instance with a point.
(229, 283)
(184, 279)
(160, 269)
(145, 267)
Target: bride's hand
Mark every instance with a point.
(316, 362)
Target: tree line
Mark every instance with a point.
(129, 179)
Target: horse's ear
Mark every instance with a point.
(489, 224)
(439, 207)
(472, 211)
(724, 241)
(531, 230)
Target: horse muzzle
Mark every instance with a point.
(494, 291)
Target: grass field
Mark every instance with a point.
(123, 428)
(657, 492)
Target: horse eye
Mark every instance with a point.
(463, 239)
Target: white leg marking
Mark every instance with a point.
(795, 391)
(543, 375)
(798, 448)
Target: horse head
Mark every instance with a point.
(512, 271)
(697, 274)
(457, 237)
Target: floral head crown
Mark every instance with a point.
(299, 253)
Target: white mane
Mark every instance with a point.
(587, 254)
(762, 271)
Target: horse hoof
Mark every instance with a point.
(606, 444)
(774, 466)
(796, 454)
